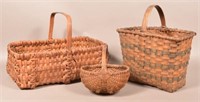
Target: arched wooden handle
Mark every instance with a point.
(148, 12)
(104, 58)
(69, 27)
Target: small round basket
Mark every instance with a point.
(104, 78)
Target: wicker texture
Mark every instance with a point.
(105, 78)
(157, 56)
(34, 63)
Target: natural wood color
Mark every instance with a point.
(104, 78)
(157, 56)
(40, 62)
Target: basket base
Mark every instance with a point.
(169, 87)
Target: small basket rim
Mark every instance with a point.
(126, 68)
(126, 30)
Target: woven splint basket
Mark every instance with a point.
(157, 56)
(104, 78)
(34, 63)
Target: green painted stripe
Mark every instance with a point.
(155, 77)
(156, 52)
(149, 64)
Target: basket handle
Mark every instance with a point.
(69, 27)
(104, 58)
(148, 12)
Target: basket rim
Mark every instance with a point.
(127, 69)
(126, 30)
(50, 52)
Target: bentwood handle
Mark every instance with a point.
(148, 12)
(68, 26)
(104, 58)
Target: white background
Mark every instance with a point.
(29, 20)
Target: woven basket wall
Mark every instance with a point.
(157, 56)
(34, 63)
(104, 78)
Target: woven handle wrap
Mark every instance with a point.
(69, 27)
(148, 12)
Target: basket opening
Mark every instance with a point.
(56, 44)
(110, 68)
(172, 33)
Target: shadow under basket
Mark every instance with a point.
(105, 78)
